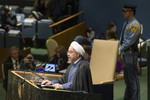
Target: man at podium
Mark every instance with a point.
(78, 74)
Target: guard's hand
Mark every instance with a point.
(46, 82)
(138, 69)
(57, 86)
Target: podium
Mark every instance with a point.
(21, 87)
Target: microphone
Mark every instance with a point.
(35, 74)
(24, 70)
(50, 59)
(36, 78)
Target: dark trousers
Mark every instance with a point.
(132, 91)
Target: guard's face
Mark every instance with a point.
(72, 55)
(127, 12)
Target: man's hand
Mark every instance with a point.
(28, 58)
(57, 86)
(46, 82)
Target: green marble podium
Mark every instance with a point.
(21, 87)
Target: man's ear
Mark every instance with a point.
(79, 55)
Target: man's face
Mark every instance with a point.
(114, 28)
(127, 13)
(72, 55)
(14, 54)
(91, 34)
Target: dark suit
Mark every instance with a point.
(82, 79)
(8, 21)
(8, 65)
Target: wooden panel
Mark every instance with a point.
(4, 52)
(66, 19)
(66, 37)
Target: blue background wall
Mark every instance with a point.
(98, 13)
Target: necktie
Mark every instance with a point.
(16, 64)
(122, 35)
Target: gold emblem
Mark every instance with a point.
(133, 29)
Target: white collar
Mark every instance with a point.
(77, 60)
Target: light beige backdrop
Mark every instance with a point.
(103, 61)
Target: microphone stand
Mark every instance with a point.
(22, 80)
(30, 60)
(33, 78)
